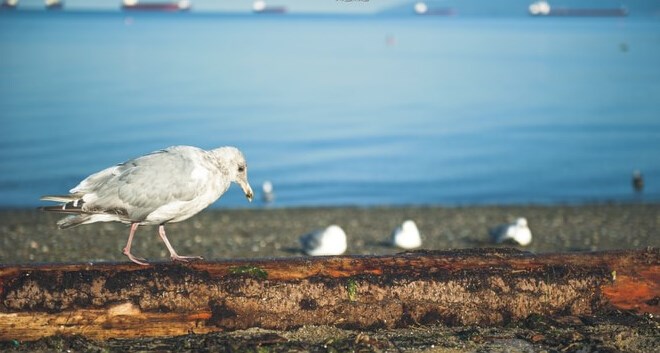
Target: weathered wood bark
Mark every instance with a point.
(482, 286)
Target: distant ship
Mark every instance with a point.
(543, 8)
(260, 6)
(422, 9)
(134, 5)
(9, 4)
(54, 4)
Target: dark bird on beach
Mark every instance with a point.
(637, 181)
(165, 186)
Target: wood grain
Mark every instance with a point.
(477, 286)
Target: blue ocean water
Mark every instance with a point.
(338, 110)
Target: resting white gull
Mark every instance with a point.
(165, 186)
(517, 232)
(326, 241)
(406, 236)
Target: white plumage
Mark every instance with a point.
(517, 232)
(165, 186)
(406, 236)
(327, 241)
(267, 195)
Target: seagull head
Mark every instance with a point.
(233, 162)
(521, 222)
(409, 226)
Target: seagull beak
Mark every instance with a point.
(247, 190)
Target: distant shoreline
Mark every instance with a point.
(518, 13)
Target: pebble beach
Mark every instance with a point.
(31, 236)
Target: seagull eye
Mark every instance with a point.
(241, 169)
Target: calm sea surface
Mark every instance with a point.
(338, 110)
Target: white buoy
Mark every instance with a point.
(258, 6)
(421, 8)
(539, 8)
(184, 4)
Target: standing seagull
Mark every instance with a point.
(162, 187)
(517, 232)
(268, 195)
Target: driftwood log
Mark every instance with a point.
(481, 286)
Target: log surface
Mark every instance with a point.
(463, 287)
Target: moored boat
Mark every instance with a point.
(9, 4)
(543, 8)
(54, 4)
(422, 9)
(134, 5)
(260, 6)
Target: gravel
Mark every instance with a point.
(30, 236)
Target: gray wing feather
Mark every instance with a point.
(497, 233)
(145, 183)
(310, 240)
(92, 182)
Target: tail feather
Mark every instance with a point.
(61, 198)
(61, 209)
(70, 203)
(72, 221)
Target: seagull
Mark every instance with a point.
(327, 241)
(517, 232)
(406, 236)
(166, 186)
(638, 181)
(267, 188)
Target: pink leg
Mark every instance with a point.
(173, 254)
(127, 249)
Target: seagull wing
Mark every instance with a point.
(311, 240)
(499, 233)
(141, 185)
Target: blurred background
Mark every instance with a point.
(340, 102)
